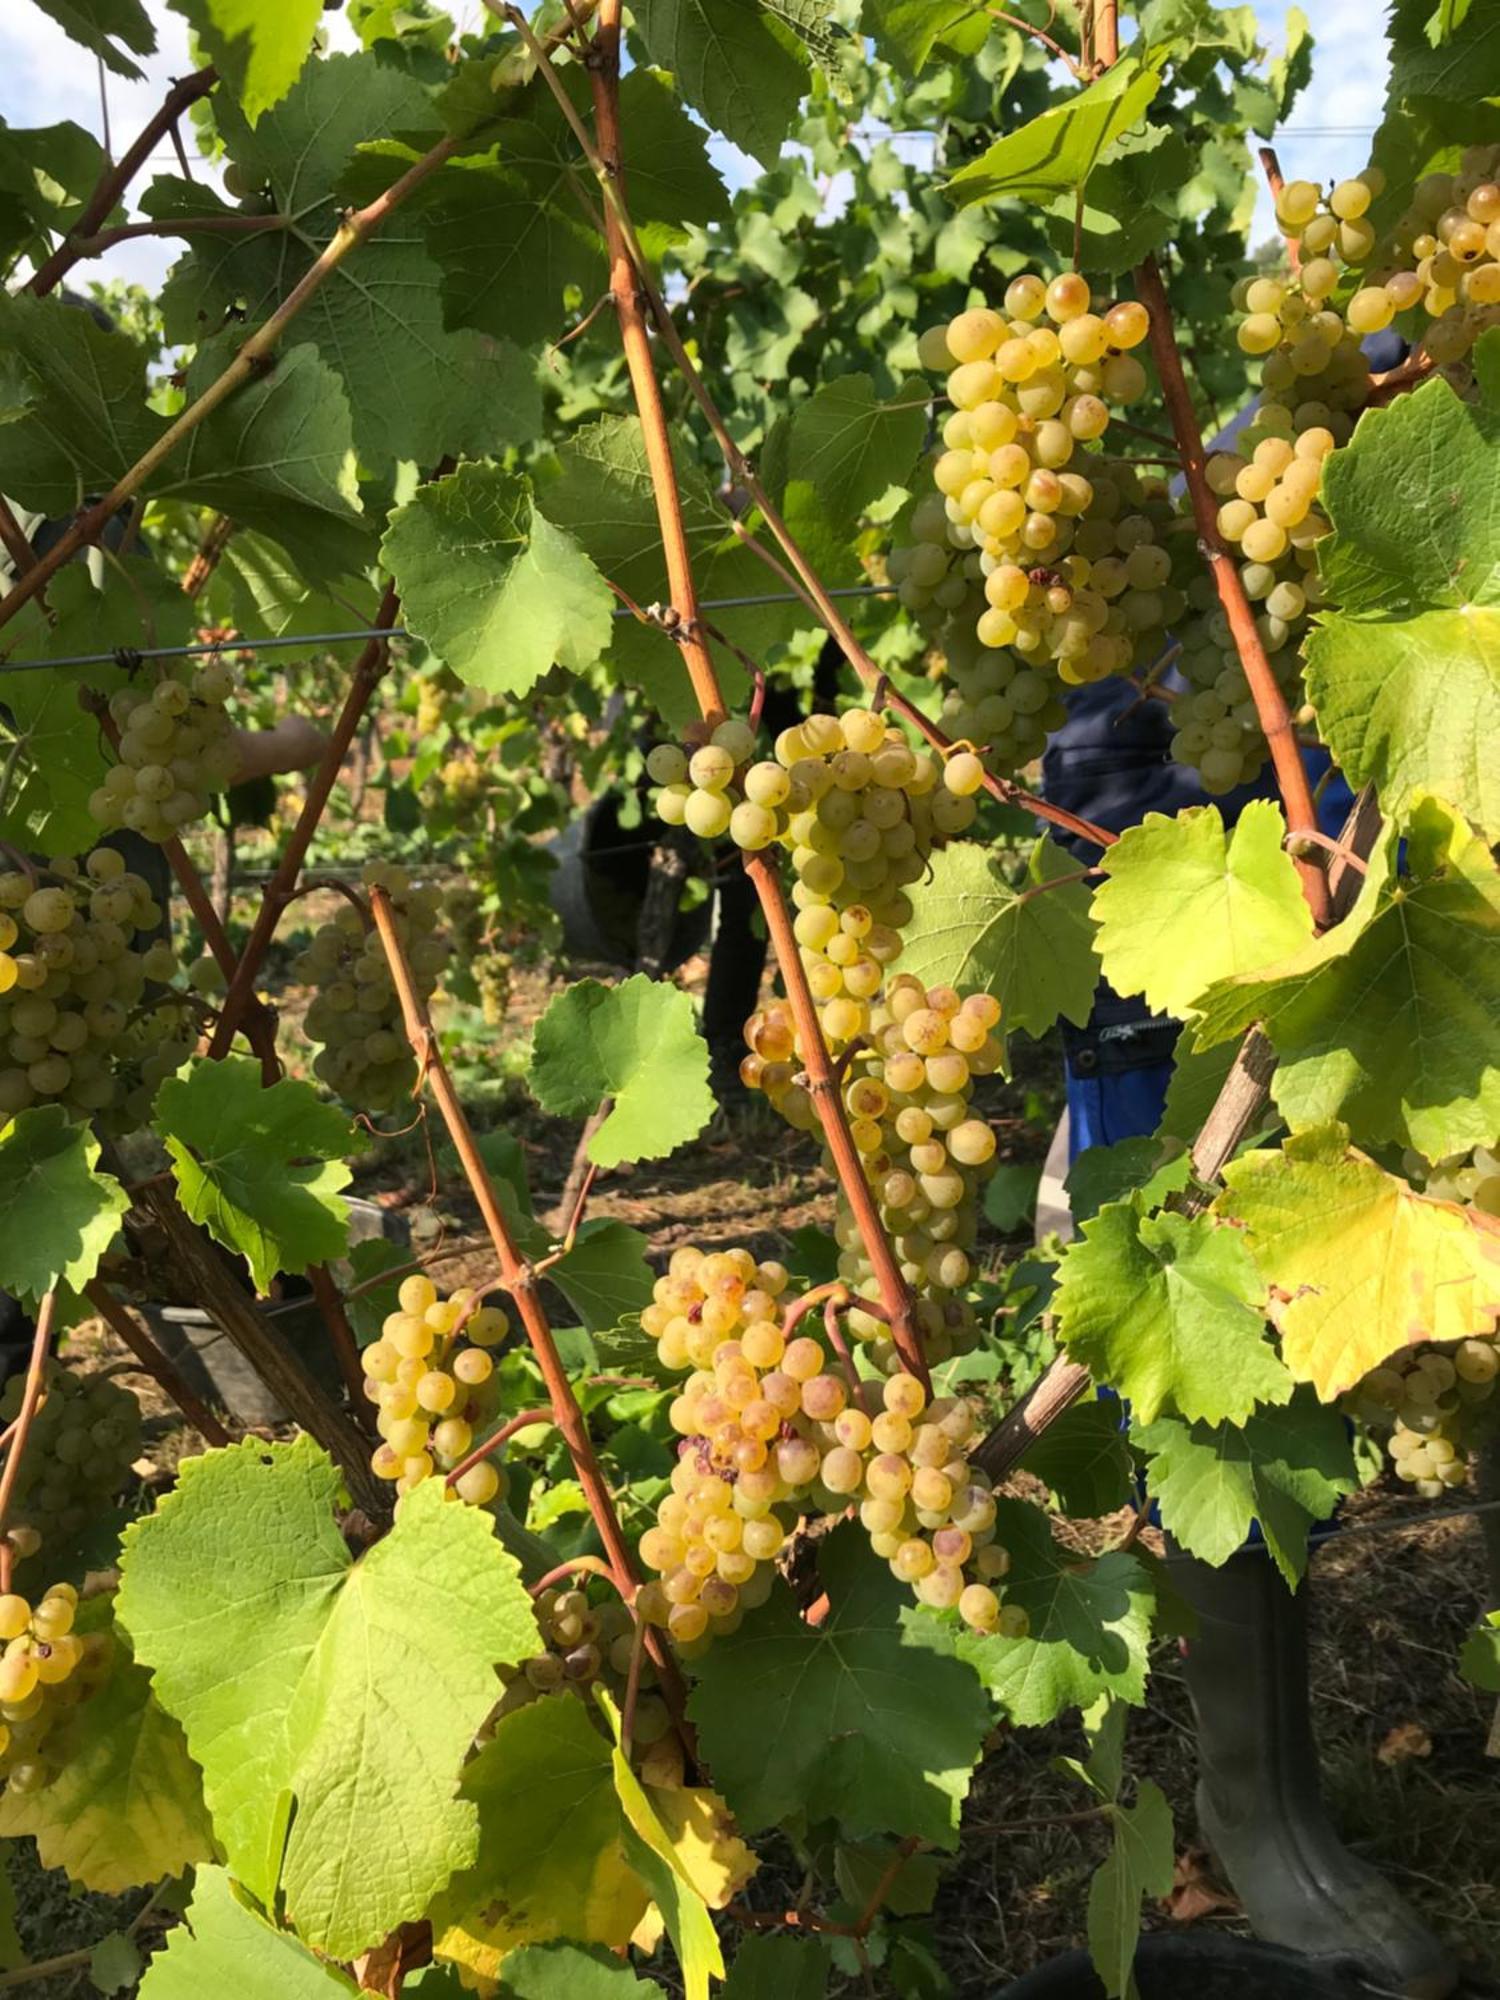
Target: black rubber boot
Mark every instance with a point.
(1260, 1803)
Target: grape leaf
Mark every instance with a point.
(1083, 1460)
(126, 1806)
(845, 447)
(1032, 948)
(651, 1852)
(257, 46)
(1479, 1660)
(115, 1964)
(223, 1946)
(1364, 1265)
(1056, 152)
(909, 30)
(1139, 1864)
(1182, 905)
(635, 1043)
(1284, 1468)
(1391, 1021)
(260, 1168)
(100, 25)
(568, 1972)
(871, 1725)
(1132, 205)
(605, 1276)
(1405, 675)
(415, 389)
(285, 1662)
(87, 420)
(1169, 1310)
(730, 65)
(1090, 1624)
(497, 592)
(551, 1861)
(605, 499)
(777, 1968)
(57, 1215)
(1198, 1075)
(1104, 1174)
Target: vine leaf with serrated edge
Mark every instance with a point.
(1185, 903)
(224, 1946)
(873, 1726)
(1139, 1864)
(260, 1168)
(57, 1214)
(1031, 947)
(636, 1043)
(1170, 1311)
(1056, 152)
(1361, 1264)
(284, 1659)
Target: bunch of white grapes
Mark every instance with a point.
(770, 1433)
(46, 1669)
(858, 810)
(431, 1378)
(924, 1152)
(177, 748)
(366, 1058)
(84, 1438)
(71, 977)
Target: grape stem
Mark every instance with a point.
(158, 1366)
(1270, 166)
(1038, 35)
(1270, 702)
(519, 1280)
(116, 178)
(832, 1307)
(578, 1566)
(31, 1396)
(366, 675)
(497, 1438)
(13, 538)
(570, 1234)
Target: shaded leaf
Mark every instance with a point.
(1084, 1461)
(57, 1215)
(1138, 1865)
(101, 25)
(729, 65)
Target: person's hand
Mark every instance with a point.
(293, 745)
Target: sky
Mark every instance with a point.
(44, 78)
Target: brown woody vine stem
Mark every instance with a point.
(1270, 703)
(115, 179)
(604, 72)
(368, 669)
(520, 1281)
(31, 1396)
(158, 1365)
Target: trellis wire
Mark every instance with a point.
(238, 645)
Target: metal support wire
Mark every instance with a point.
(313, 639)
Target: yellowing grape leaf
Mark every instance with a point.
(1183, 903)
(338, 1696)
(1364, 1265)
(708, 1849)
(126, 1806)
(551, 1857)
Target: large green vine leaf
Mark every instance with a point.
(415, 389)
(730, 65)
(223, 1946)
(862, 1720)
(1056, 152)
(1184, 904)
(1283, 1468)
(260, 1168)
(1169, 1310)
(126, 1806)
(637, 1044)
(1032, 947)
(57, 1215)
(909, 30)
(1090, 1624)
(550, 1861)
(1363, 1265)
(331, 1697)
(1391, 1021)
(1405, 675)
(257, 46)
(497, 592)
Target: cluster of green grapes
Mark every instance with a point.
(355, 1013)
(46, 1669)
(70, 976)
(858, 810)
(431, 1377)
(924, 1153)
(767, 1426)
(84, 1438)
(177, 748)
